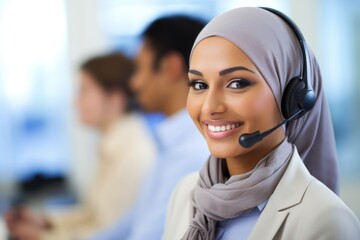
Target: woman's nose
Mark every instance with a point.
(213, 103)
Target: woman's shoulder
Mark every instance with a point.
(132, 130)
(180, 211)
(326, 202)
(317, 192)
(326, 214)
(307, 208)
(181, 196)
(132, 122)
(322, 207)
(128, 146)
(298, 187)
(187, 183)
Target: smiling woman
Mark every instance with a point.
(248, 74)
(223, 95)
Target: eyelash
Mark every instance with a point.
(243, 84)
(193, 84)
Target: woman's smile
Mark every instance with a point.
(219, 129)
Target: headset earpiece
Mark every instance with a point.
(291, 99)
(298, 94)
(297, 97)
(309, 100)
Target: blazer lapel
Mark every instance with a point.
(268, 223)
(288, 193)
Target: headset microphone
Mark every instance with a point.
(247, 140)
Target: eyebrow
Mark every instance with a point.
(195, 72)
(233, 69)
(223, 72)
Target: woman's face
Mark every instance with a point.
(228, 97)
(92, 101)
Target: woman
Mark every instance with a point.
(125, 153)
(240, 65)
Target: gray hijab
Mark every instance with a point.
(273, 47)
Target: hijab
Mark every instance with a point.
(273, 47)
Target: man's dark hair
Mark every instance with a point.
(172, 34)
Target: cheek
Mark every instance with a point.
(259, 109)
(194, 105)
(143, 84)
(92, 106)
(155, 92)
(147, 91)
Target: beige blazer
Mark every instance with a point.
(126, 152)
(301, 207)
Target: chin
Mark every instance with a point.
(225, 149)
(146, 107)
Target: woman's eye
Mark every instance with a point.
(239, 84)
(198, 85)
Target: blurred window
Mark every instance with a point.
(34, 88)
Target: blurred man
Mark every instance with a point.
(161, 84)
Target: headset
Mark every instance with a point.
(298, 97)
(299, 93)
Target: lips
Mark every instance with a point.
(221, 129)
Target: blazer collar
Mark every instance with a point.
(288, 193)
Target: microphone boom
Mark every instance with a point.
(247, 140)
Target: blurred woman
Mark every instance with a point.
(125, 153)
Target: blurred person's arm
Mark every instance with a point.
(120, 176)
(121, 229)
(22, 223)
(68, 224)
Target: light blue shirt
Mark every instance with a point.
(239, 228)
(182, 150)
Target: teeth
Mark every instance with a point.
(223, 128)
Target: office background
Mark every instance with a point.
(42, 43)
